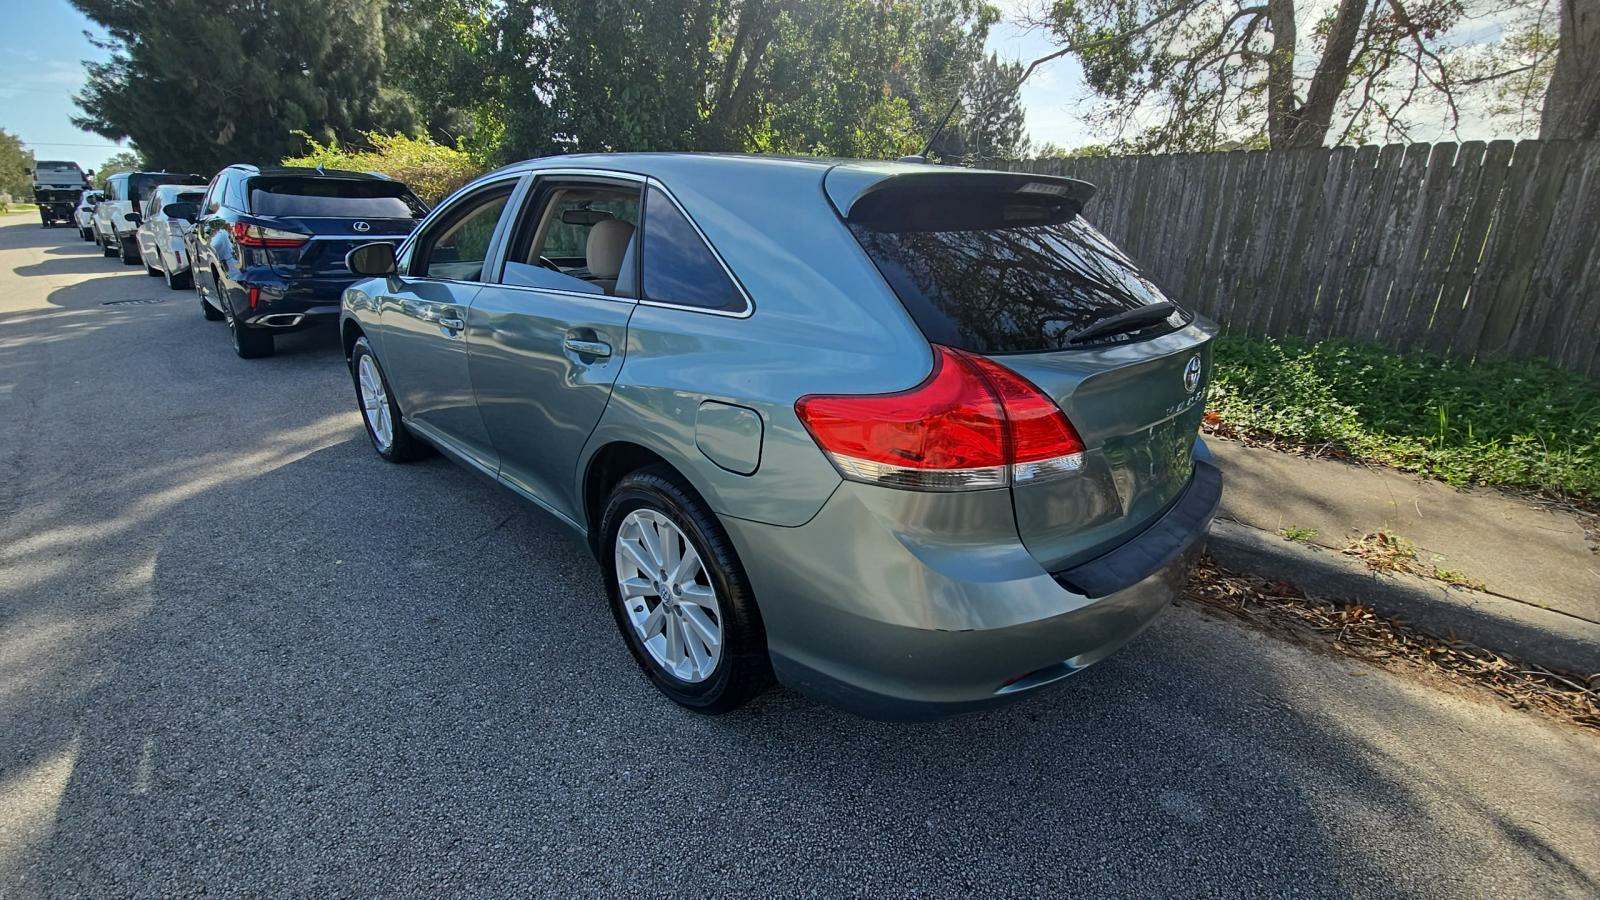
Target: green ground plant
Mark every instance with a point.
(1525, 425)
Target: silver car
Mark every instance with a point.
(83, 216)
(165, 221)
(914, 440)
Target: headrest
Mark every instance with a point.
(608, 241)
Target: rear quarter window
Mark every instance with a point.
(677, 265)
(993, 272)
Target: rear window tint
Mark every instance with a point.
(141, 185)
(677, 266)
(994, 273)
(333, 198)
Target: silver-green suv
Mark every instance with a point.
(913, 439)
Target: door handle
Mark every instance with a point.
(451, 323)
(581, 347)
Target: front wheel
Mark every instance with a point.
(183, 281)
(379, 411)
(680, 595)
(107, 248)
(129, 257)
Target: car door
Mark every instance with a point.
(422, 314)
(151, 228)
(206, 225)
(546, 338)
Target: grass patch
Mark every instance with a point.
(19, 208)
(1299, 534)
(1521, 424)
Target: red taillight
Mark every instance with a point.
(255, 295)
(971, 424)
(250, 235)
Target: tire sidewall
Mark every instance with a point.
(650, 490)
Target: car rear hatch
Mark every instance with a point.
(335, 214)
(1002, 265)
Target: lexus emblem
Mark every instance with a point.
(1191, 374)
(362, 227)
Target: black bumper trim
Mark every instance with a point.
(1171, 535)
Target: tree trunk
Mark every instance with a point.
(1280, 72)
(1309, 125)
(1572, 101)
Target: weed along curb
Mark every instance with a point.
(1519, 630)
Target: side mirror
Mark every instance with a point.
(371, 260)
(135, 218)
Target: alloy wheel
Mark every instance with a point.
(667, 595)
(375, 402)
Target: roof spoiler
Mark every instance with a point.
(847, 186)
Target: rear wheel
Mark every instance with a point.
(250, 343)
(379, 411)
(680, 595)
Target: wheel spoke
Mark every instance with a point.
(702, 627)
(687, 568)
(637, 587)
(701, 596)
(653, 623)
(650, 536)
(674, 641)
(696, 651)
(636, 555)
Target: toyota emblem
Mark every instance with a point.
(1191, 374)
(362, 227)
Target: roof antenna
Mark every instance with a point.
(923, 156)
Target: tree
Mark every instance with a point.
(1572, 102)
(843, 77)
(1193, 74)
(199, 84)
(16, 167)
(122, 161)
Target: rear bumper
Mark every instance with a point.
(289, 304)
(899, 622)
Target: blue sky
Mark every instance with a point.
(42, 46)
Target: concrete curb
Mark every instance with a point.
(1521, 631)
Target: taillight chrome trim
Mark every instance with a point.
(887, 475)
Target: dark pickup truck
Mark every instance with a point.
(57, 186)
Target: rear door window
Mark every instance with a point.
(678, 267)
(334, 198)
(996, 271)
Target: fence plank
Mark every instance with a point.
(1482, 250)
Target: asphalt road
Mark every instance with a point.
(239, 654)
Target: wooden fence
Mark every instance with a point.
(1475, 250)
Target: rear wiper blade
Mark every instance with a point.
(1132, 320)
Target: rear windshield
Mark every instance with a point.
(341, 198)
(995, 272)
(139, 186)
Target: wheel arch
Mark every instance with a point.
(607, 466)
(349, 332)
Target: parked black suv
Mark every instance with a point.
(269, 245)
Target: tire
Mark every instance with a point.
(129, 259)
(402, 445)
(150, 270)
(743, 669)
(211, 313)
(108, 250)
(84, 233)
(250, 343)
(182, 282)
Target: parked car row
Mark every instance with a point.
(914, 440)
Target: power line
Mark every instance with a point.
(58, 144)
